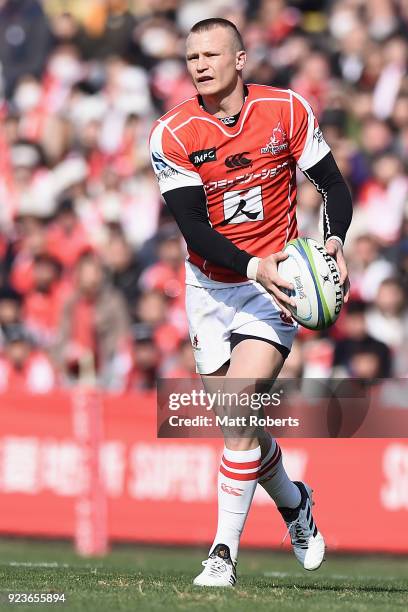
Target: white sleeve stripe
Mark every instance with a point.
(169, 174)
(310, 162)
(162, 120)
(315, 147)
(177, 139)
(302, 100)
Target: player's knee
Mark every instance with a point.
(241, 444)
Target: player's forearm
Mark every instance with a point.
(188, 206)
(338, 207)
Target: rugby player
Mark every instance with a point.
(226, 162)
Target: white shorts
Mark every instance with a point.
(215, 314)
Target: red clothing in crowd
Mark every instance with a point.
(181, 372)
(67, 247)
(167, 337)
(171, 283)
(22, 278)
(42, 312)
(164, 278)
(36, 376)
(83, 327)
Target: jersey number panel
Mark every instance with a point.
(243, 206)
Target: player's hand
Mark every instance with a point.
(267, 275)
(334, 248)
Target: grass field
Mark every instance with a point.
(141, 578)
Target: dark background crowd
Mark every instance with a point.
(91, 264)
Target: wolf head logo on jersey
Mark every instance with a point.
(278, 141)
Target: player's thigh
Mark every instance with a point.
(258, 316)
(254, 364)
(214, 382)
(209, 319)
(255, 359)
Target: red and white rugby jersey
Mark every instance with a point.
(248, 170)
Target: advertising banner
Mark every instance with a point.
(148, 489)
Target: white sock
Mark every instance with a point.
(237, 480)
(274, 479)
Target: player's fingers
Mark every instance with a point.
(286, 313)
(280, 256)
(281, 296)
(331, 248)
(281, 282)
(346, 290)
(341, 262)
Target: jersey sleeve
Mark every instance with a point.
(306, 141)
(170, 161)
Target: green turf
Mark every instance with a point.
(140, 578)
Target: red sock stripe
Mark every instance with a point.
(274, 455)
(273, 461)
(240, 476)
(244, 465)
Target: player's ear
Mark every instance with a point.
(240, 59)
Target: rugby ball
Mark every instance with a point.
(316, 280)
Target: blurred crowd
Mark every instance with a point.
(91, 264)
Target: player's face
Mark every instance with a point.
(213, 61)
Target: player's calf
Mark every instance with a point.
(237, 480)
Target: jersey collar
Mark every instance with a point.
(227, 121)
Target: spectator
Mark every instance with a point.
(22, 367)
(94, 326)
(184, 366)
(43, 304)
(67, 238)
(32, 234)
(25, 40)
(357, 341)
(167, 274)
(26, 187)
(10, 310)
(145, 360)
(387, 320)
(112, 28)
(152, 310)
(122, 266)
(368, 268)
(387, 190)
(366, 362)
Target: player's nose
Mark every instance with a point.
(202, 63)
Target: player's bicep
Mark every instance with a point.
(170, 162)
(307, 143)
(188, 205)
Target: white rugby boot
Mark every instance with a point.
(307, 541)
(219, 569)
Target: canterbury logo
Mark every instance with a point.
(232, 490)
(238, 161)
